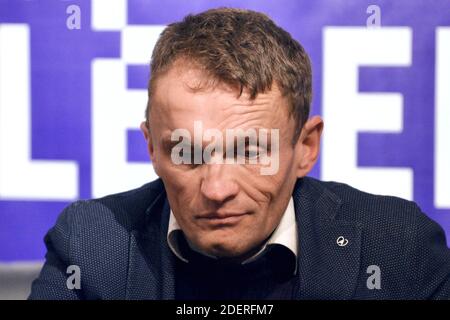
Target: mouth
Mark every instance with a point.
(222, 218)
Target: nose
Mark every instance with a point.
(217, 185)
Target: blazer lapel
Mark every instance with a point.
(329, 249)
(151, 264)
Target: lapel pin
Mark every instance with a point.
(341, 241)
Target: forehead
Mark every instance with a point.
(185, 94)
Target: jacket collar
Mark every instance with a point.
(151, 266)
(327, 269)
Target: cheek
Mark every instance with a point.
(167, 169)
(180, 182)
(266, 188)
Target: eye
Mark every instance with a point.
(187, 154)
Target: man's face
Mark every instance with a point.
(226, 210)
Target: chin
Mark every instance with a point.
(225, 249)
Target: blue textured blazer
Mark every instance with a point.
(119, 243)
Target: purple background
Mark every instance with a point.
(61, 94)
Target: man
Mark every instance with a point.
(216, 225)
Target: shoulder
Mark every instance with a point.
(124, 210)
(397, 236)
(367, 208)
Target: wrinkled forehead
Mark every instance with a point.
(185, 94)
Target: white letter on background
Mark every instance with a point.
(20, 176)
(442, 120)
(347, 112)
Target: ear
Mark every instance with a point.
(307, 147)
(148, 137)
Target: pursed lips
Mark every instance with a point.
(222, 218)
